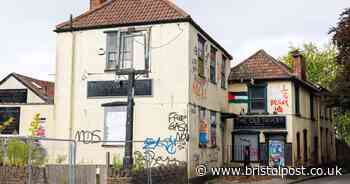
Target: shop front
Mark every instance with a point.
(262, 139)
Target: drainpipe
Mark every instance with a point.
(71, 100)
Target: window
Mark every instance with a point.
(312, 111)
(305, 145)
(297, 99)
(213, 52)
(201, 56)
(257, 98)
(213, 128)
(9, 120)
(115, 125)
(203, 128)
(115, 51)
(298, 146)
(223, 72)
(13, 96)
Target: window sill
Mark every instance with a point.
(113, 146)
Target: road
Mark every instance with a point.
(344, 179)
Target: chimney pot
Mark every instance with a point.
(96, 3)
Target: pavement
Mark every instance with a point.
(344, 179)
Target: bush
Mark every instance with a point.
(17, 152)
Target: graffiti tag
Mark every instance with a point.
(88, 137)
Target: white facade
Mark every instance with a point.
(172, 74)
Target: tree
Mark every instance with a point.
(341, 39)
(320, 63)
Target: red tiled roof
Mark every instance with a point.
(117, 13)
(260, 66)
(44, 89)
(120, 12)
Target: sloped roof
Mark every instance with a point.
(44, 89)
(261, 65)
(118, 13)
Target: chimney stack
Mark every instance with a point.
(299, 65)
(96, 3)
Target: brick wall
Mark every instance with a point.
(160, 175)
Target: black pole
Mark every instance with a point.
(128, 159)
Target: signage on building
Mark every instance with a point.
(260, 122)
(110, 88)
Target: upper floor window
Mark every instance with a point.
(201, 56)
(257, 98)
(223, 72)
(213, 52)
(312, 108)
(297, 99)
(119, 49)
(13, 96)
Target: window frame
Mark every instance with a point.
(213, 126)
(312, 107)
(107, 109)
(212, 64)
(250, 91)
(297, 99)
(110, 36)
(201, 56)
(202, 116)
(223, 72)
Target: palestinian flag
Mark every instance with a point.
(238, 97)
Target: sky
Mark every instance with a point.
(241, 27)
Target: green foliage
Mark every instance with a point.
(138, 165)
(17, 153)
(320, 62)
(341, 38)
(343, 126)
(117, 162)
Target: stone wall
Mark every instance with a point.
(159, 175)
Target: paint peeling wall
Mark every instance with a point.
(210, 96)
(169, 66)
(281, 101)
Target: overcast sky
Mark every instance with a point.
(242, 27)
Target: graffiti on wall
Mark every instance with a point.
(279, 101)
(177, 123)
(88, 137)
(199, 88)
(152, 159)
(169, 145)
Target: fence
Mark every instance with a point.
(27, 159)
(39, 160)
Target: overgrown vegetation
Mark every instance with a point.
(138, 165)
(17, 152)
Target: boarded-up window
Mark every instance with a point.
(203, 128)
(115, 125)
(223, 72)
